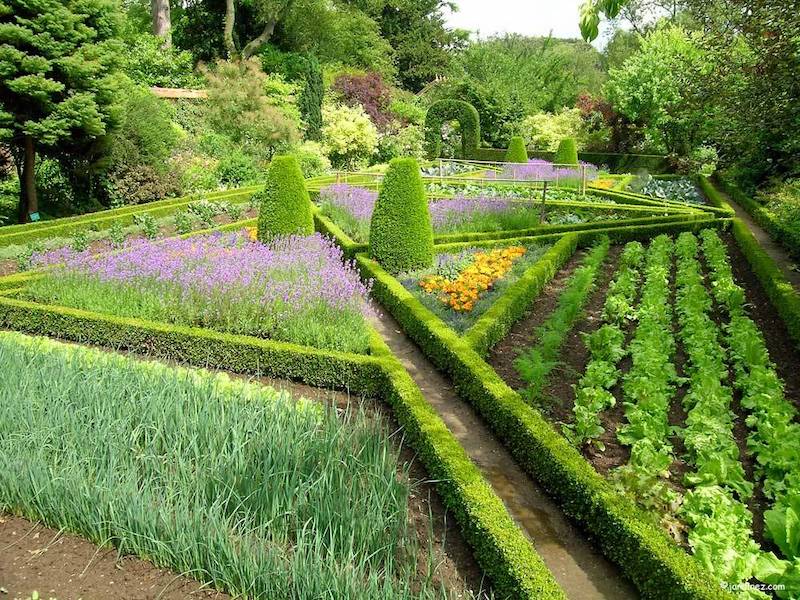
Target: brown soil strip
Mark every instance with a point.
(558, 394)
(578, 567)
(67, 567)
(523, 334)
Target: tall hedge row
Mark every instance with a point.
(401, 234)
(285, 204)
(452, 110)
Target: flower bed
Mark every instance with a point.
(463, 285)
(295, 289)
(681, 189)
(537, 169)
(351, 209)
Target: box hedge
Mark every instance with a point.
(285, 204)
(452, 110)
(401, 234)
(567, 153)
(516, 153)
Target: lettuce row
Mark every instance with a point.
(720, 523)
(606, 348)
(649, 385)
(774, 437)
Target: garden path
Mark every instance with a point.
(787, 265)
(577, 566)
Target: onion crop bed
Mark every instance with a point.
(351, 208)
(294, 289)
(671, 383)
(251, 490)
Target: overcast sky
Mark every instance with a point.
(528, 17)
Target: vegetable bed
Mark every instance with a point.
(671, 383)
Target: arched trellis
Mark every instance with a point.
(452, 110)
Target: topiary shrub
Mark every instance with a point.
(567, 153)
(285, 205)
(517, 153)
(452, 110)
(401, 234)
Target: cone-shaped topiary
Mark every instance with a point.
(516, 152)
(401, 235)
(285, 205)
(567, 153)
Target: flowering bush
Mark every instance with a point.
(461, 293)
(296, 289)
(348, 136)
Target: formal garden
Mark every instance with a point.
(293, 308)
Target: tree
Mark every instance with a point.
(660, 89)
(162, 24)
(58, 91)
(266, 15)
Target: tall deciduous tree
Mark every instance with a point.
(267, 13)
(162, 23)
(58, 84)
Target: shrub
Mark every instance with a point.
(516, 153)
(567, 153)
(545, 130)
(310, 101)
(285, 204)
(147, 62)
(236, 169)
(370, 92)
(452, 110)
(311, 158)
(401, 234)
(137, 184)
(406, 141)
(250, 108)
(348, 136)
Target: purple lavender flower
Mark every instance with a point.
(537, 169)
(447, 212)
(212, 278)
(359, 202)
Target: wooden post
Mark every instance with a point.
(544, 205)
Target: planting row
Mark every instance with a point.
(671, 357)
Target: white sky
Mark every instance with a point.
(527, 17)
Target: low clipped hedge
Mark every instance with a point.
(567, 153)
(780, 292)
(105, 219)
(499, 546)
(195, 346)
(712, 195)
(516, 152)
(452, 110)
(400, 233)
(496, 322)
(788, 237)
(658, 567)
(285, 204)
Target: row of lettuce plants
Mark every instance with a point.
(720, 523)
(774, 434)
(607, 348)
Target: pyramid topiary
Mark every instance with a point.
(401, 234)
(285, 205)
(567, 153)
(516, 152)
